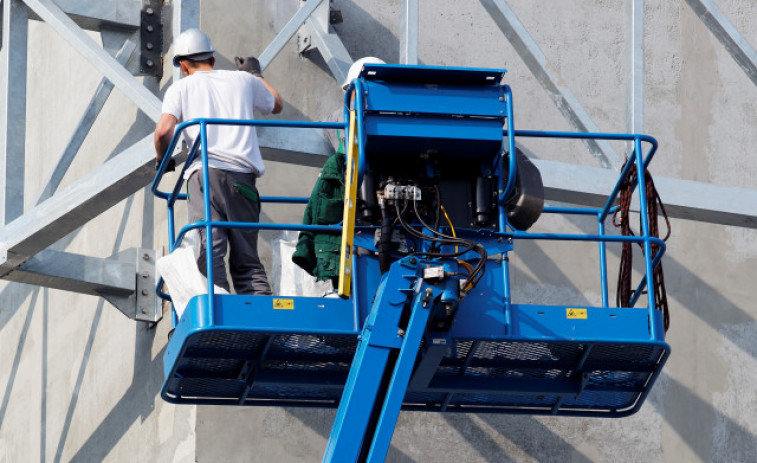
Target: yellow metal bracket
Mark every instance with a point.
(350, 205)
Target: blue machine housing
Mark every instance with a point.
(455, 113)
(379, 350)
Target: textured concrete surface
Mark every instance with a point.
(79, 382)
(699, 105)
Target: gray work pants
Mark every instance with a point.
(228, 204)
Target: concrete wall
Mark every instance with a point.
(80, 382)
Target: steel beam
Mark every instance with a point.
(97, 56)
(409, 32)
(77, 204)
(115, 180)
(85, 125)
(307, 147)
(13, 71)
(287, 32)
(635, 78)
(94, 15)
(537, 63)
(186, 15)
(728, 35)
(126, 280)
(77, 273)
(683, 199)
(132, 169)
(328, 43)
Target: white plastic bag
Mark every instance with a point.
(181, 274)
(288, 278)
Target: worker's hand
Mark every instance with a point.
(249, 64)
(169, 168)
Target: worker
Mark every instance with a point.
(234, 158)
(318, 253)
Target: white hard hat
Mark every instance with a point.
(357, 66)
(193, 44)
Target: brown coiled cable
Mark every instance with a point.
(622, 220)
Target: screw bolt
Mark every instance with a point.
(150, 28)
(149, 45)
(146, 256)
(448, 309)
(145, 274)
(145, 292)
(401, 333)
(150, 11)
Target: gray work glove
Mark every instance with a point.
(169, 168)
(249, 64)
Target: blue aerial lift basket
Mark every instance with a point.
(419, 332)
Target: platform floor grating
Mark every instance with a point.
(537, 377)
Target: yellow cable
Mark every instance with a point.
(467, 266)
(444, 211)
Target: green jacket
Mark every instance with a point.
(318, 253)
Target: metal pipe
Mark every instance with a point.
(603, 263)
(208, 220)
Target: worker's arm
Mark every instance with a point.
(278, 105)
(252, 65)
(163, 134)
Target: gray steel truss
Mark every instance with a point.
(321, 35)
(96, 56)
(186, 15)
(635, 90)
(92, 15)
(288, 31)
(743, 53)
(409, 32)
(534, 58)
(703, 202)
(85, 124)
(13, 113)
(127, 280)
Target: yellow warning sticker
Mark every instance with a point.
(576, 313)
(283, 304)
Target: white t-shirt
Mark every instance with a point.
(222, 95)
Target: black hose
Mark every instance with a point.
(385, 241)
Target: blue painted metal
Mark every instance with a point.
(378, 352)
(379, 337)
(400, 375)
(506, 189)
(460, 100)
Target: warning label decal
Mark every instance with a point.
(283, 304)
(576, 313)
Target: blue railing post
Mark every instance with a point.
(504, 190)
(362, 162)
(208, 218)
(506, 293)
(644, 212)
(639, 161)
(602, 262)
